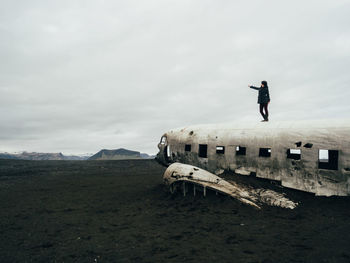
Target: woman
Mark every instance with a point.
(263, 99)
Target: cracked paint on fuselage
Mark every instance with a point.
(303, 174)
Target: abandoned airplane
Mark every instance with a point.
(312, 156)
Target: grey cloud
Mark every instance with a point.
(84, 75)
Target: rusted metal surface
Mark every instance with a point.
(281, 141)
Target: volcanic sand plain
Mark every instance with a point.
(120, 211)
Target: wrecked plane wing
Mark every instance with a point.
(178, 174)
(312, 156)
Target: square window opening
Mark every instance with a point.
(328, 159)
(265, 152)
(187, 147)
(220, 149)
(294, 154)
(240, 150)
(203, 149)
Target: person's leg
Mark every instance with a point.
(262, 110)
(266, 112)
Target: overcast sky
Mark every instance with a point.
(79, 76)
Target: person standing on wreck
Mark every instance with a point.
(263, 99)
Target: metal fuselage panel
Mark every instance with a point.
(302, 174)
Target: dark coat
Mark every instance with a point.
(264, 95)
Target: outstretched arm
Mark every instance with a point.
(252, 87)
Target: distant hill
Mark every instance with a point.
(8, 156)
(104, 154)
(41, 156)
(119, 154)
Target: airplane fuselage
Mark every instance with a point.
(308, 156)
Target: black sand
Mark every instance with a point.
(119, 211)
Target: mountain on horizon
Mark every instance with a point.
(119, 154)
(40, 156)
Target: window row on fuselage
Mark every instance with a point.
(328, 159)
